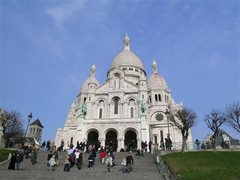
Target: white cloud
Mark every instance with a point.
(62, 12)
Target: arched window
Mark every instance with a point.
(155, 139)
(159, 98)
(115, 102)
(100, 113)
(150, 99)
(161, 133)
(132, 112)
(156, 97)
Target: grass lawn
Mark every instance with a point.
(4, 154)
(205, 165)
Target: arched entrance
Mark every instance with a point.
(130, 140)
(111, 140)
(92, 137)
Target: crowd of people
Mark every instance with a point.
(74, 156)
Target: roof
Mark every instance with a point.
(37, 122)
(156, 81)
(127, 57)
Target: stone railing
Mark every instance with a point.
(163, 167)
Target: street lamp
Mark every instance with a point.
(29, 119)
(167, 114)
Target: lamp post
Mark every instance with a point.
(167, 114)
(29, 119)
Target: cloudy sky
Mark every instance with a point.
(48, 46)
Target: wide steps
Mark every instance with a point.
(143, 168)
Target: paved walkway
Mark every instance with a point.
(143, 169)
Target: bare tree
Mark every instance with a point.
(232, 115)
(12, 125)
(184, 119)
(214, 120)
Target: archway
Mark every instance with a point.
(130, 140)
(111, 140)
(92, 138)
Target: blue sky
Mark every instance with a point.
(48, 46)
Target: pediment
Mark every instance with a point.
(103, 88)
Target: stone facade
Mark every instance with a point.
(35, 131)
(127, 109)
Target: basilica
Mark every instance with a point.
(127, 109)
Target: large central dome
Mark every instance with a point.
(127, 57)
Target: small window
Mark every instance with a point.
(116, 101)
(159, 98)
(156, 97)
(130, 69)
(150, 99)
(142, 96)
(155, 139)
(132, 112)
(117, 75)
(89, 98)
(136, 70)
(84, 99)
(140, 72)
(100, 113)
(161, 132)
(124, 69)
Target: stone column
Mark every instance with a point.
(120, 144)
(102, 140)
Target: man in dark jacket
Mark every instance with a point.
(129, 161)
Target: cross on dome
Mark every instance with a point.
(154, 66)
(93, 70)
(126, 42)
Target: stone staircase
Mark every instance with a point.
(143, 168)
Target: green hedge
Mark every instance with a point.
(4, 154)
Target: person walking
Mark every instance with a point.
(103, 155)
(11, 165)
(52, 163)
(19, 159)
(109, 162)
(124, 165)
(66, 164)
(130, 161)
(90, 161)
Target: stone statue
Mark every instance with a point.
(84, 109)
(143, 106)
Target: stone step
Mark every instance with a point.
(143, 168)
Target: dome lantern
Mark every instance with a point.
(126, 42)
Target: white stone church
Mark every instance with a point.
(128, 108)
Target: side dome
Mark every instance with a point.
(127, 57)
(156, 81)
(91, 80)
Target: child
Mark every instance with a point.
(109, 162)
(124, 165)
(66, 164)
(52, 163)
